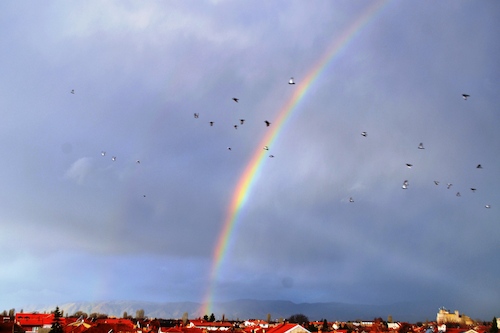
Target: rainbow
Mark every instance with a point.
(251, 172)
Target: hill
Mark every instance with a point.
(256, 309)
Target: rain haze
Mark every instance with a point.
(113, 189)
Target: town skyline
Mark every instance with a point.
(240, 309)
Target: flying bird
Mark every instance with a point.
(72, 91)
(138, 162)
(196, 115)
(235, 126)
(465, 96)
(473, 189)
(364, 134)
(211, 123)
(436, 182)
(449, 185)
(113, 158)
(267, 123)
(236, 99)
(228, 148)
(271, 156)
(351, 199)
(291, 81)
(103, 153)
(405, 185)
(487, 206)
(409, 165)
(242, 121)
(479, 166)
(266, 148)
(421, 146)
(458, 194)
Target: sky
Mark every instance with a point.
(82, 82)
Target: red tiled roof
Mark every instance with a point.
(115, 321)
(284, 328)
(205, 323)
(105, 328)
(36, 319)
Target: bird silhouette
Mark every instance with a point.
(479, 166)
(236, 99)
(465, 96)
(291, 81)
(267, 123)
(364, 134)
(235, 126)
(196, 115)
(72, 91)
(458, 194)
(449, 185)
(211, 123)
(409, 165)
(266, 148)
(351, 199)
(113, 158)
(436, 182)
(103, 153)
(487, 206)
(405, 185)
(421, 146)
(242, 121)
(473, 189)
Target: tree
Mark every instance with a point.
(298, 318)
(184, 318)
(205, 317)
(56, 322)
(79, 314)
(494, 326)
(139, 314)
(269, 318)
(212, 317)
(325, 326)
(12, 313)
(125, 315)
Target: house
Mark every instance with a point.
(393, 326)
(256, 322)
(287, 328)
(210, 325)
(32, 322)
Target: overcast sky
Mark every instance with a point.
(78, 226)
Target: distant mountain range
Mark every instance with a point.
(254, 309)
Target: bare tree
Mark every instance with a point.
(139, 314)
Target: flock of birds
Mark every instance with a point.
(405, 185)
(242, 121)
